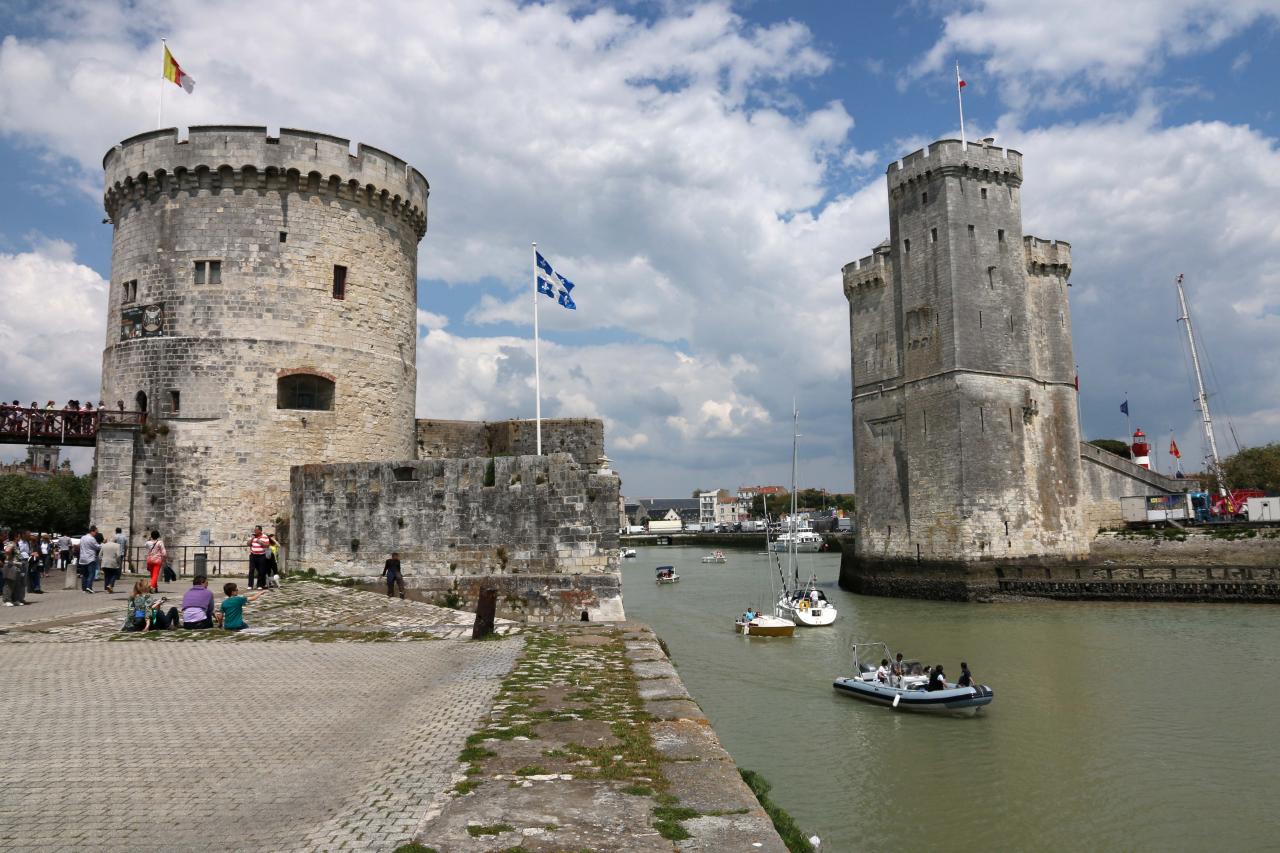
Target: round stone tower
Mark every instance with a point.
(262, 312)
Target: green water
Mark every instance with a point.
(1114, 726)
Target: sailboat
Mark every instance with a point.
(754, 624)
(804, 604)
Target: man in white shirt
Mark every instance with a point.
(87, 562)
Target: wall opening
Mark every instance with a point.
(208, 272)
(1000, 234)
(175, 401)
(924, 198)
(339, 281)
(284, 236)
(933, 235)
(130, 290)
(304, 391)
(140, 400)
(984, 192)
(405, 474)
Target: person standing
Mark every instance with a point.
(394, 574)
(87, 562)
(110, 557)
(258, 545)
(156, 555)
(64, 551)
(122, 539)
(15, 575)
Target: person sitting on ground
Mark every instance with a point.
(882, 671)
(966, 677)
(232, 607)
(937, 679)
(197, 605)
(393, 574)
(145, 612)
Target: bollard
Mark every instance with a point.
(486, 607)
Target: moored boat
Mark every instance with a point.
(628, 553)
(714, 557)
(806, 542)
(807, 606)
(763, 625)
(907, 692)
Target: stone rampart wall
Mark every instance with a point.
(582, 438)
(462, 523)
(1106, 478)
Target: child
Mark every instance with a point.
(232, 607)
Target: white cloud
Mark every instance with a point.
(55, 325)
(1043, 51)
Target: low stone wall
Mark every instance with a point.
(581, 438)
(543, 529)
(529, 598)
(1192, 567)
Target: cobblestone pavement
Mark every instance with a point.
(301, 609)
(232, 745)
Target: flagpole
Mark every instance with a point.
(960, 99)
(537, 371)
(160, 109)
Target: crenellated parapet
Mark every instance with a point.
(223, 158)
(873, 271)
(979, 161)
(1047, 257)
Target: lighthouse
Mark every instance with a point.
(1140, 450)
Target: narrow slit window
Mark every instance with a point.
(979, 319)
(906, 246)
(982, 420)
(339, 282)
(1000, 234)
(924, 198)
(972, 235)
(175, 401)
(1011, 420)
(984, 192)
(933, 234)
(284, 236)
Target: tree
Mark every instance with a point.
(58, 504)
(1111, 445)
(1255, 468)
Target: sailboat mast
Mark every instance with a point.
(1215, 462)
(795, 443)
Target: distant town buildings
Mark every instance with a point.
(41, 463)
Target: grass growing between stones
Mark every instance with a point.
(495, 829)
(596, 683)
(786, 826)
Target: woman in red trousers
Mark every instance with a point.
(156, 554)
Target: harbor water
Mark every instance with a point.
(1114, 726)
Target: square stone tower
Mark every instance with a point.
(966, 436)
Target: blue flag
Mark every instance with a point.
(1124, 407)
(554, 285)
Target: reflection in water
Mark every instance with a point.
(1115, 726)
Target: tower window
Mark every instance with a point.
(1000, 234)
(971, 233)
(924, 198)
(175, 401)
(933, 235)
(304, 391)
(284, 236)
(130, 290)
(208, 272)
(339, 282)
(984, 192)
(906, 246)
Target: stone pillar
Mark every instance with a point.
(113, 486)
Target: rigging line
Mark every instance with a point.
(1224, 410)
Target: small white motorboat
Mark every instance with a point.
(714, 557)
(628, 553)
(806, 542)
(666, 574)
(908, 692)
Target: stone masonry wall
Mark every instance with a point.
(1107, 478)
(582, 438)
(459, 522)
(279, 214)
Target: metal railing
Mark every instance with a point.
(232, 560)
(26, 425)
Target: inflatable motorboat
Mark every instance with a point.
(908, 692)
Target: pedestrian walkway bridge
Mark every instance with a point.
(67, 427)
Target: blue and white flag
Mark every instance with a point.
(554, 285)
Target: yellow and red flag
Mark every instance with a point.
(1173, 449)
(174, 74)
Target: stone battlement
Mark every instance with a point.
(214, 158)
(582, 438)
(1047, 257)
(875, 270)
(974, 159)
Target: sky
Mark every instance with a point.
(702, 171)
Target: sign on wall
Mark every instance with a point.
(142, 321)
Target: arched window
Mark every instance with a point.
(304, 391)
(141, 400)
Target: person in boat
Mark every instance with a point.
(882, 671)
(937, 679)
(814, 597)
(966, 677)
(749, 615)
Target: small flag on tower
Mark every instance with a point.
(174, 74)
